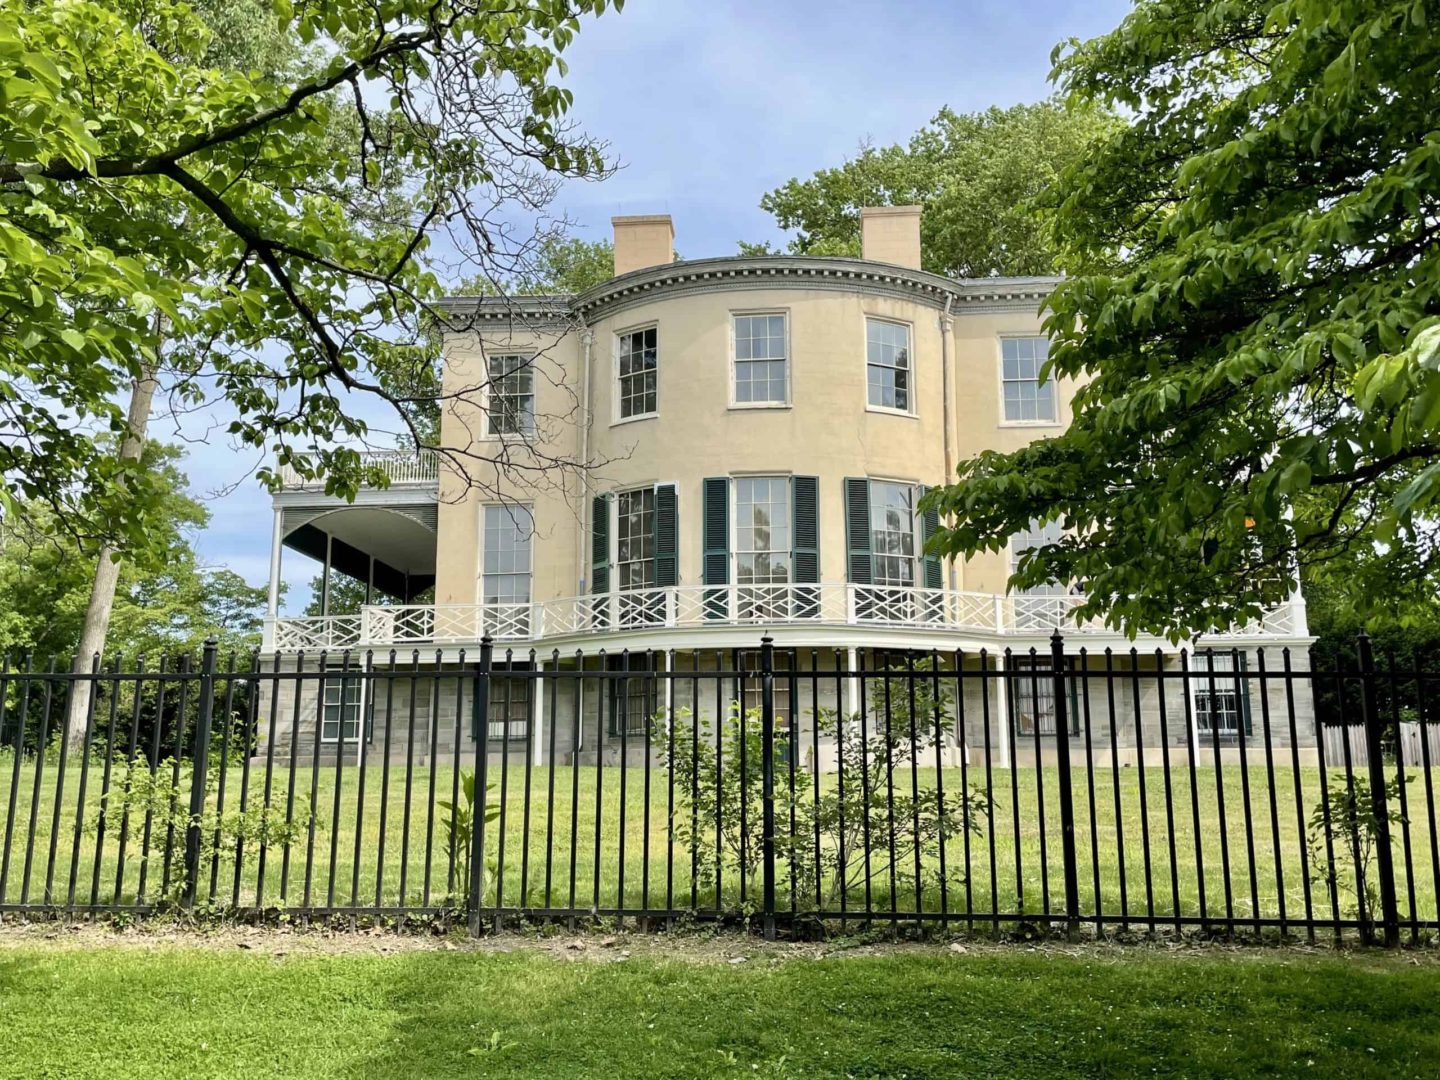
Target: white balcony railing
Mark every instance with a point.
(702, 606)
(403, 468)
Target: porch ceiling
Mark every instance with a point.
(403, 548)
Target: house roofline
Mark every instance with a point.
(744, 271)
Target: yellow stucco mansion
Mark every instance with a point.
(754, 435)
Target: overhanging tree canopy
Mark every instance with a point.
(301, 268)
(1254, 300)
(976, 175)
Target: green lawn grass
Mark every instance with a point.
(116, 1012)
(1111, 843)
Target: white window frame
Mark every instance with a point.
(911, 397)
(639, 683)
(735, 361)
(916, 530)
(1033, 681)
(1039, 537)
(749, 694)
(481, 546)
(760, 605)
(490, 725)
(1036, 616)
(1054, 385)
(616, 416)
(528, 366)
(342, 676)
(1225, 669)
(614, 509)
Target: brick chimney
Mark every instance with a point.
(888, 234)
(643, 240)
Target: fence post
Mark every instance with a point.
(480, 702)
(199, 768)
(1379, 803)
(767, 779)
(1067, 807)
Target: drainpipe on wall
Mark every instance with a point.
(587, 338)
(947, 323)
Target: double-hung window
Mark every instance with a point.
(509, 709)
(632, 699)
(752, 692)
(892, 533)
(505, 569)
(1032, 696)
(1037, 607)
(508, 529)
(1219, 706)
(886, 534)
(635, 558)
(1026, 398)
(761, 360)
(512, 395)
(635, 538)
(636, 373)
(893, 552)
(341, 706)
(762, 545)
(887, 365)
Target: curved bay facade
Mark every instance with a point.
(695, 454)
(820, 373)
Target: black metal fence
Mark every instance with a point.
(1229, 791)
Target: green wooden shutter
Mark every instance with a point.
(857, 529)
(600, 544)
(805, 536)
(715, 543)
(1240, 666)
(932, 574)
(667, 537)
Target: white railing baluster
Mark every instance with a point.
(401, 468)
(830, 603)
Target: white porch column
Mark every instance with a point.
(325, 579)
(1002, 711)
(537, 744)
(1187, 703)
(669, 691)
(852, 705)
(272, 602)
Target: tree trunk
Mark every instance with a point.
(107, 571)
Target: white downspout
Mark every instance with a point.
(947, 323)
(587, 338)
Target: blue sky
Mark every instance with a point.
(708, 104)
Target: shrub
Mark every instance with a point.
(163, 792)
(868, 818)
(1354, 831)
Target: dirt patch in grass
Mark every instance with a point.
(693, 945)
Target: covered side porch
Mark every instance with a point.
(384, 542)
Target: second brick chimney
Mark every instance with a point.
(643, 240)
(889, 234)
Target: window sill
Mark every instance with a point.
(883, 411)
(1030, 424)
(635, 419)
(760, 406)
